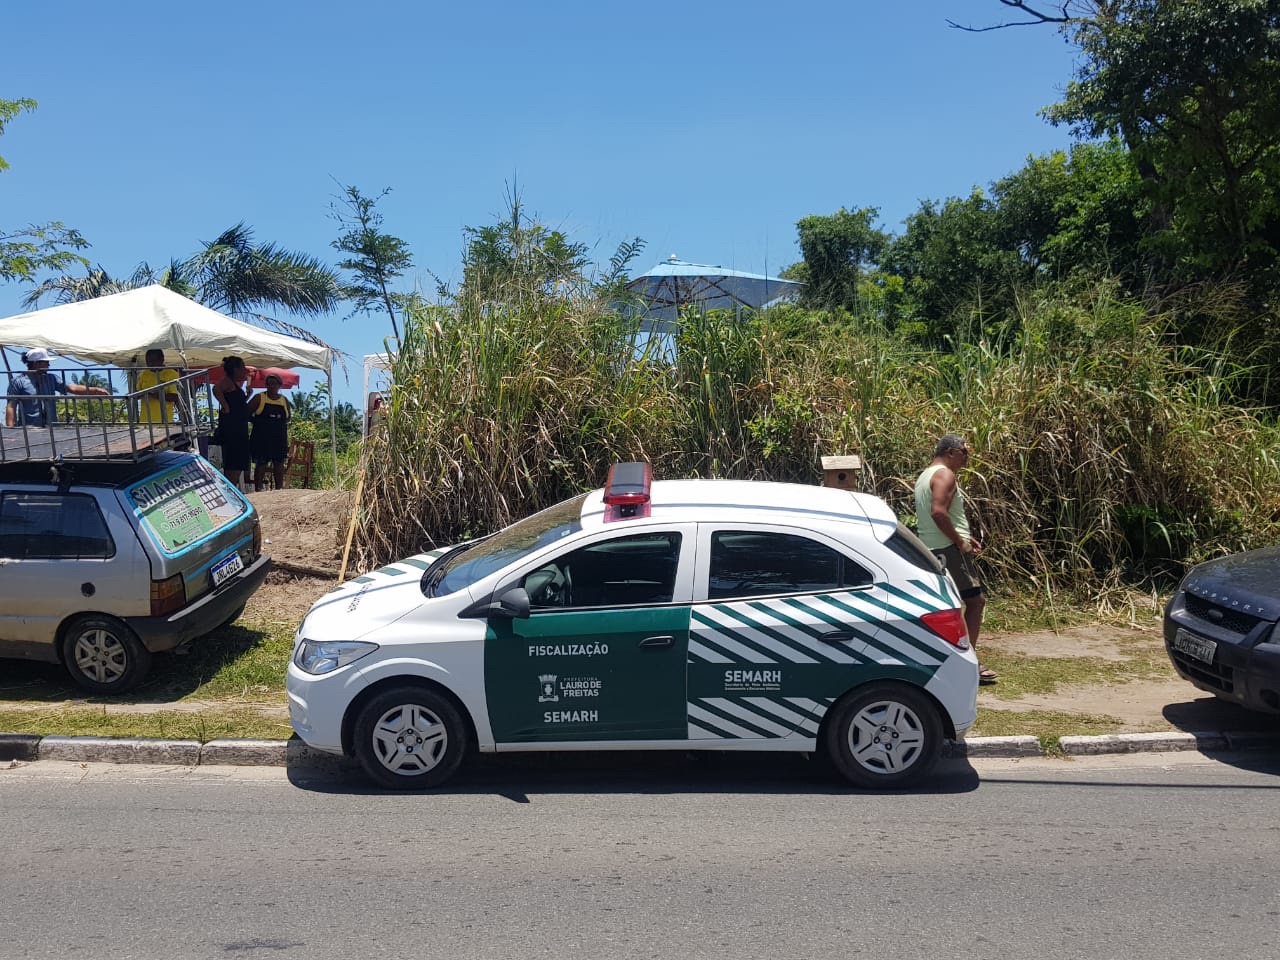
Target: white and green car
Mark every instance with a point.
(669, 615)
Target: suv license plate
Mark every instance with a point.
(1193, 646)
(226, 568)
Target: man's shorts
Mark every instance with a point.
(962, 569)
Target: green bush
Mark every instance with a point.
(1103, 451)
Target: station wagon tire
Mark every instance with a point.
(884, 736)
(104, 655)
(410, 738)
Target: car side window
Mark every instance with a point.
(752, 563)
(620, 572)
(53, 526)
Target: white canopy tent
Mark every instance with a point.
(119, 329)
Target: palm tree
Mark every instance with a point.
(231, 274)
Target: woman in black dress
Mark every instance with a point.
(233, 419)
(269, 442)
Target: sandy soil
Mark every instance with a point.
(304, 531)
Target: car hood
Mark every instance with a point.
(369, 601)
(1240, 582)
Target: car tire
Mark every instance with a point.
(410, 738)
(103, 655)
(883, 736)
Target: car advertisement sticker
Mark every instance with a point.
(184, 505)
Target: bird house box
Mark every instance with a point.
(842, 473)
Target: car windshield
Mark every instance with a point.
(456, 571)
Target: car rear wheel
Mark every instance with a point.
(103, 655)
(884, 735)
(410, 738)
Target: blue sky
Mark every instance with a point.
(706, 128)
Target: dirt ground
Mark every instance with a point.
(304, 531)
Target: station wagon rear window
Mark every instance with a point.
(185, 505)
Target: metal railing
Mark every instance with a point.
(125, 424)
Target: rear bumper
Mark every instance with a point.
(1244, 670)
(205, 615)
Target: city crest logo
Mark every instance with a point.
(547, 689)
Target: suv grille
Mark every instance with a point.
(1219, 616)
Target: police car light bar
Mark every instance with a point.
(626, 491)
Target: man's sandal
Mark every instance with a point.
(987, 676)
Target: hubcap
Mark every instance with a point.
(409, 740)
(101, 656)
(886, 737)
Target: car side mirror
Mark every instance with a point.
(514, 604)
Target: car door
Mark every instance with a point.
(783, 623)
(61, 554)
(602, 654)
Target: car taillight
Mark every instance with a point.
(257, 540)
(949, 625)
(168, 595)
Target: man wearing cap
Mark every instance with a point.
(31, 401)
(943, 525)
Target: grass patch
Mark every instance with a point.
(1048, 725)
(212, 724)
(1020, 675)
(251, 674)
(1025, 611)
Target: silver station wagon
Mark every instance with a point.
(113, 548)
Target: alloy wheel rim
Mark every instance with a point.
(886, 737)
(100, 656)
(409, 740)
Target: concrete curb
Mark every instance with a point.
(278, 753)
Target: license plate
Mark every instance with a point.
(1193, 646)
(226, 568)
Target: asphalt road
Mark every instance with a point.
(1163, 856)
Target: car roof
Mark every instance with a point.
(115, 473)
(758, 501)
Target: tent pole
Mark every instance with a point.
(333, 429)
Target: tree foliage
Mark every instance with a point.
(25, 252)
(838, 250)
(230, 273)
(376, 258)
(1193, 91)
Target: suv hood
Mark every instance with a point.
(1247, 581)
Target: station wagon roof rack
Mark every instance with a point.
(114, 427)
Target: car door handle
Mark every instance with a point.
(838, 636)
(658, 641)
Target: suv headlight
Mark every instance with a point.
(317, 656)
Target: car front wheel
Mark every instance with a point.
(103, 655)
(883, 736)
(410, 738)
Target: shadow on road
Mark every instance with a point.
(1209, 714)
(519, 775)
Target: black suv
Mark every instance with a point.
(1221, 630)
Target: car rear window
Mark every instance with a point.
(185, 505)
(912, 549)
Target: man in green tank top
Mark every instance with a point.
(943, 525)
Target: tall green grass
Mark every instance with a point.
(1105, 455)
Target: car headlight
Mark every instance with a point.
(318, 656)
